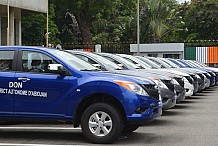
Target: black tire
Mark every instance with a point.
(112, 112)
(130, 128)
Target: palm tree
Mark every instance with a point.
(158, 12)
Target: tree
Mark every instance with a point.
(104, 20)
(118, 25)
(155, 15)
(34, 27)
(85, 13)
(201, 18)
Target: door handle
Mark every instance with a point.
(23, 79)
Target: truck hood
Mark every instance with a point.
(113, 76)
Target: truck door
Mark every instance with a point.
(37, 92)
(6, 76)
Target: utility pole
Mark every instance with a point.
(8, 28)
(138, 30)
(47, 29)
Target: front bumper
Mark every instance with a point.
(200, 84)
(180, 93)
(168, 98)
(213, 81)
(207, 83)
(216, 79)
(149, 115)
(189, 88)
(196, 86)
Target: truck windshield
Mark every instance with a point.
(121, 60)
(73, 61)
(106, 62)
(151, 63)
(160, 62)
(136, 61)
(170, 63)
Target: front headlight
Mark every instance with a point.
(214, 74)
(185, 80)
(208, 75)
(175, 82)
(198, 76)
(204, 76)
(159, 83)
(133, 87)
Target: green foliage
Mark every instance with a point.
(156, 15)
(202, 20)
(118, 23)
(53, 29)
(34, 28)
(88, 21)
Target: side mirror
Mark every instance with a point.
(138, 65)
(120, 65)
(97, 65)
(56, 68)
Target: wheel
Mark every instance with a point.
(130, 128)
(101, 123)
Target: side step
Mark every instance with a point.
(37, 127)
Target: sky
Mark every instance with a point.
(182, 1)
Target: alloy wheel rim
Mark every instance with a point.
(100, 124)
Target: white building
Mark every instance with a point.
(166, 50)
(16, 8)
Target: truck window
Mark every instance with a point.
(36, 62)
(6, 58)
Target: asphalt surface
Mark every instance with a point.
(194, 122)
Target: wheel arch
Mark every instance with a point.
(94, 98)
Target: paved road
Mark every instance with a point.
(193, 122)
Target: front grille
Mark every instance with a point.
(169, 84)
(212, 74)
(152, 91)
(206, 75)
(180, 81)
(189, 79)
(194, 78)
(201, 76)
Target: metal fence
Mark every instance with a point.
(108, 47)
(201, 43)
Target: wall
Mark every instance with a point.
(33, 5)
(159, 50)
(207, 55)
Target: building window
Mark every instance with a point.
(153, 55)
(175, 56)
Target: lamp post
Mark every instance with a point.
(47, 28)
(8, 28)
(138, 30)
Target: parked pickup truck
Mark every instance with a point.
(42, 84)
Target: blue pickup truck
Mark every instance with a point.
(42, 84)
